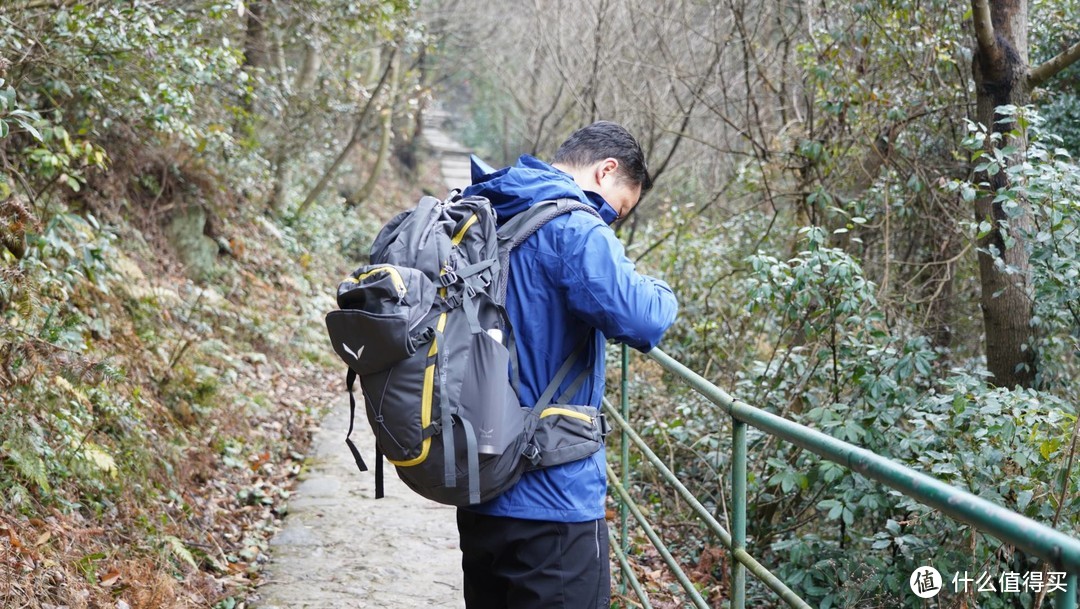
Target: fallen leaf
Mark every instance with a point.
(15, 543)
(43, 539)
(237, 567)
(259, 460)
(109, 579)
(39, 523)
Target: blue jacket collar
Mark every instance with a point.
(514, 189)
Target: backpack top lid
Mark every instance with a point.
(388, 290)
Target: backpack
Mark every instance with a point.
(424, 328)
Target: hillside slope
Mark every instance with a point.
(152, 424)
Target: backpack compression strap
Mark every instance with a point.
(564, 370)
(450, 418)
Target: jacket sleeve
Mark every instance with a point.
(604, 290)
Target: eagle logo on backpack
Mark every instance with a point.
(434, 355)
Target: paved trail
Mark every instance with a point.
(342, 549)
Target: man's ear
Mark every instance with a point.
(608, 165)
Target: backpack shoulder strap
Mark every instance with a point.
(514, 233)
(522, 226)
(549, 392)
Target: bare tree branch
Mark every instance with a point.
(1052, 67)
(984, 30)
(697, 94)
(39, 4)
(354, 140)
(385, 138)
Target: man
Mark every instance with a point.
(544, 543)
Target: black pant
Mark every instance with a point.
(511, 563)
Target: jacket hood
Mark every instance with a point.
(512, 190)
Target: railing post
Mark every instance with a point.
(738, 512)
(624, 447)
(1066, 599)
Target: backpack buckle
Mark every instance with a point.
(424, 337)
(602, 422)
(447, 279)
(532, 453)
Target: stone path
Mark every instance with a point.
(340, 548)
(453, 157)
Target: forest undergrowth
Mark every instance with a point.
(153, 424)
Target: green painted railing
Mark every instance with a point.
(1056, 548)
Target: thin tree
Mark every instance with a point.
(354, 139)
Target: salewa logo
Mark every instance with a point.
(356, 354)
(486, 433)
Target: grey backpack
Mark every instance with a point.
(424, 328)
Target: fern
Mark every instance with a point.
(28, 465)
(178, 549)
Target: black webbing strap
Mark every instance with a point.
(379, 489)
(472, 313)
(350, 380)
(573, 388)
(468, 271)
(515, 374)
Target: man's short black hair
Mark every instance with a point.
(601, 140)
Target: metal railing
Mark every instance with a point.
(1056, 548)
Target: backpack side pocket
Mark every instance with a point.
(381, 307)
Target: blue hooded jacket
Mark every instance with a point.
(569, 277)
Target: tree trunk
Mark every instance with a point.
(1000, 69)
(1003, 77)
(305, 81)
(255, 55)
(387, 135)
(255, 47)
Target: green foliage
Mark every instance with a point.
(825, 354)
(1045, 184)
(119, 377)
(1052, 30)
(50, 155)
(1063, 112)
(66, 440)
